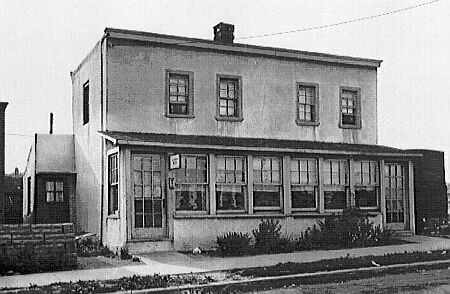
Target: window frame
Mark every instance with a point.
(239, 111)
(316, 121)
(207, 184)
(376, 185)
(190, 94)
(243, 184)
(336, 187)
(113, 211)
(86, 102)
(279, 185)
(357, 107)
(54, 191)
(313, 186)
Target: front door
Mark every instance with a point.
(395, 185)
(148, 203)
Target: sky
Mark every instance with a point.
(42, 41)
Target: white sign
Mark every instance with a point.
(174, 161)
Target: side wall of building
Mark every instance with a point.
(88, 143)
(137, 85)
(29, 177)
(55, 153)
(430, 188)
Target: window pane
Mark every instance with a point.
(59, 197)
(230, 197)
(335, 199)
(50, 196)
(303, 198)
(49, 186)
(191, 197)
(267, 195)
(366, 197)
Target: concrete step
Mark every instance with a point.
(142, 247)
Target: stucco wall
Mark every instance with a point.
(136, 94)
(54, 153)
(88, 144)
(202, 232)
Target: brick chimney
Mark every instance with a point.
(224, 33)
(2, 160)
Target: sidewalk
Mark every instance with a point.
(177, 263)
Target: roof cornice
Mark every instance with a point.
(237, 48)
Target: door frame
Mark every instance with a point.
(407, 203)
(148, 234)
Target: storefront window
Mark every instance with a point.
(266, 183)
(335, 183)
(231, 183)
(191, 188)
(304, 183)
(367, 184)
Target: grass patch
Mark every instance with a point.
(343, 263)
(164, 281)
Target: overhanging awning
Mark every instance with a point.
(250, 144)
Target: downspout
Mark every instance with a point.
(105, 36)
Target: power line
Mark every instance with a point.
(320, 27)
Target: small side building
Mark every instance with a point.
(49, 180)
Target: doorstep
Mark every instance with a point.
(148, 246)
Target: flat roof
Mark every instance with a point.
(238, 48)
(251, 144)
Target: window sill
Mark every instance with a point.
(342, 126)
(231, 215)
(307, 123)
(190, 116)
(230, 119)
(113, 216)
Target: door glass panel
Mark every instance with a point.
(147, 192)
(395, 186)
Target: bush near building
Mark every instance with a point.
(350, 229)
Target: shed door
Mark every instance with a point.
(395, 183)
(149, 213)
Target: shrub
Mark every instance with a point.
(91, 246)
(351, 229)
(267, 236)
(234, 243)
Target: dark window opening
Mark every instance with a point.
(86, 103)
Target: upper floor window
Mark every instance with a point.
(335, 183)
(191, 183)
(179, 94)
(350, 108)
(304, 183)
(113, 184)
(86, 102)
(307, 104)
(367, 183)
(54, 191)
(229, 98)
(231, 183)
(266, 183)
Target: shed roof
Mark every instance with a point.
(251, 144)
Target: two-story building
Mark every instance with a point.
(178, 140)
